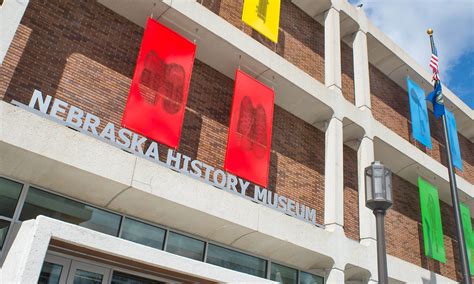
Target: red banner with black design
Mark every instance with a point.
(159, 91)
(250, 130)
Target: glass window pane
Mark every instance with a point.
(87, 277)
(236, 260)
(9, 194)
(40, 202)
(307, 278)
(185, 246)
(50, 273)
(142, 233)
(124, 278)
(283, 274)
(4, 225)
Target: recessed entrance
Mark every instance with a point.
(63, 269)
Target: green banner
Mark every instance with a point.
(431, 220)
(468, 236)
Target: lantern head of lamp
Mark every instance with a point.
(378, 187)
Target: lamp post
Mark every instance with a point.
(378, 197)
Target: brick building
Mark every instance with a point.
(75, 207)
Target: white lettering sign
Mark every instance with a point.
(76, 118)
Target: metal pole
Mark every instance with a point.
(381, 253)
(457, 215)
(454, 197)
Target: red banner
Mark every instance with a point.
(159, 91)
(250, 130)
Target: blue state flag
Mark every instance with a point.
(420, 126)
(453, 140)
(436, 98)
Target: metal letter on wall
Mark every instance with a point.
(250, 130)
(263, 16)
(158, 94)
(431, 220)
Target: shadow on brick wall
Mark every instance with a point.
(63, 28)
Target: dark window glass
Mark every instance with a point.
(40, 202)
(185, 246)
(50, 273)
(142, 233)
(4, 225)
(87, 277)
(9, 194)
(236, 260)
(124, 278)
(306, 278)
(283, 274)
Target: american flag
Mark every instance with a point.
(434, 63)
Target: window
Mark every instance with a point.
(40, 202)
(306, 278)
(124, 278)
(87, 277)
(50, 273)
(185, 246)
(142, 233)
(236, 260)
(9, 194)
(4, 225)
(283, 274)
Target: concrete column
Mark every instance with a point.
(335, 276)
(334, 176)
(332, 50)
(365, 156)
(361, 71)
(11, 13)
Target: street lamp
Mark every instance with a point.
(378, 197)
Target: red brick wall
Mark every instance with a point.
(351, 194)
(390, 106)
(347, 69)
(404, 233)
(85, 54)
(300, 40)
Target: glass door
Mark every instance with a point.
(58, 269)
(84, 273)
(55, 270)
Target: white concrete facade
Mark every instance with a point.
(25, 259)
(131, 184)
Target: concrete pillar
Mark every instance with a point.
(335, 276)
(334, 176)
(361, 71)
(332, 50)
(11, 13)
(365, 156)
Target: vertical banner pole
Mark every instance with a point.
(454, 197)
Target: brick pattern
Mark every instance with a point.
(390, 106)
(84, 54)
(404, 231)
(347, 69)
(351, 194)
(300, 39)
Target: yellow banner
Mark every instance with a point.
(263, 16)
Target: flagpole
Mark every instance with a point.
(454, 195)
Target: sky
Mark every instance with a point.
(406, 22)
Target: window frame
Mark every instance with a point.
(121, 216)
(16, 214)
(22, 198)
